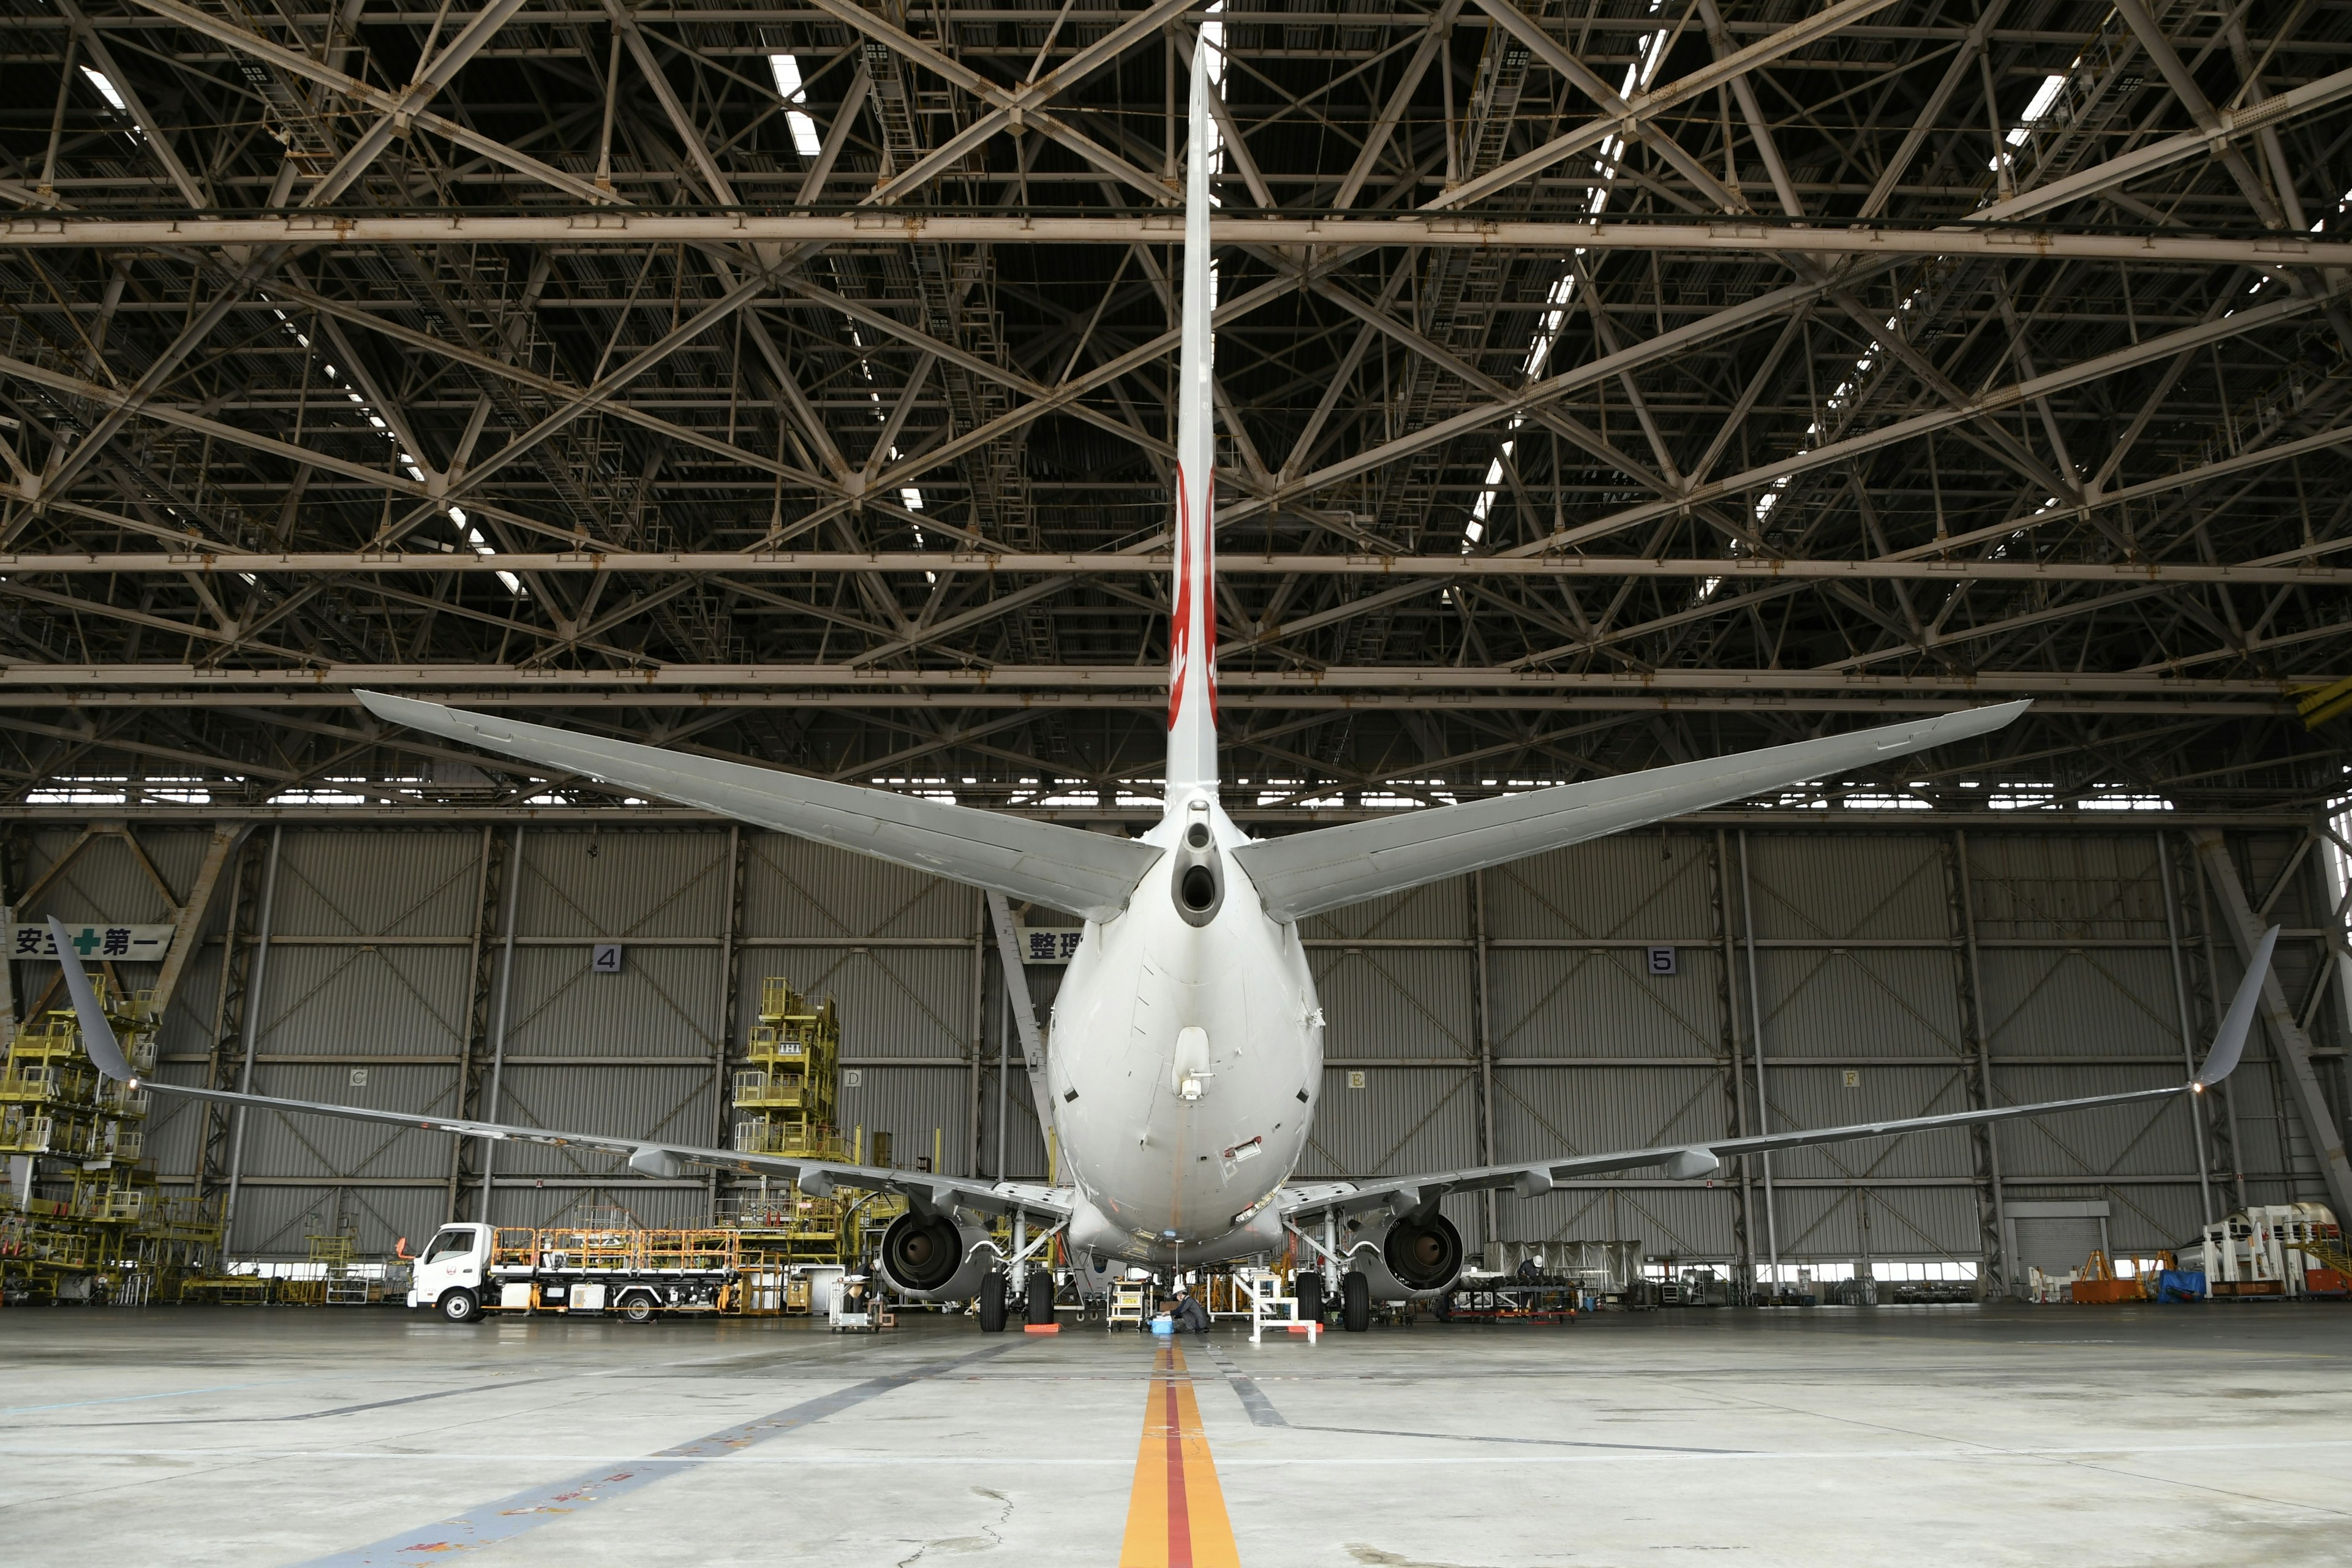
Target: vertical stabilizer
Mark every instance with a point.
(1192, 631)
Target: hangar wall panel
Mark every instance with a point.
(1602, 1002)
(1861, 970)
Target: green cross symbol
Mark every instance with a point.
(86, 943)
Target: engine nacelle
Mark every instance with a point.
(936, 1257)
(1409, 1261)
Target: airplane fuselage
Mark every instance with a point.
(1185, 1063)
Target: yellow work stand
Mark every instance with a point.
(1127, 1306)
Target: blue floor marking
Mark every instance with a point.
(508, 1517)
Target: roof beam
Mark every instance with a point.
(1747, 235)
(2296, 569)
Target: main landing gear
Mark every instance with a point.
(1041, 1296)
(1307, 1287)
(992, 1304)
(1355, 1302)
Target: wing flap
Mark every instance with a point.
(1089, 874)
(1327, 867)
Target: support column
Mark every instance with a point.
(2228, 1089)
(1755, 1043)
(977, 1050)
(1734, 1086)
(1999, 1269)
(188, 914)
(7, 962)
(488, 892)
(1485, 1035)
(499, 1027)
(248, 1035)
(2188, 1034)
(2238, 918)
(211, 1168)
(731, 993)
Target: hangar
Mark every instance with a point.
(1599, 387)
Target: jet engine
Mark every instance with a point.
(936, 1256)
(1409, 1259)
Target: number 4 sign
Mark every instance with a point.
(606, 958)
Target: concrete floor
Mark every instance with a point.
(2124, 1435)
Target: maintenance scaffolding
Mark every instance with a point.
(82, 1217)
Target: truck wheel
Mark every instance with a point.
(992, 1304)
(1355, 1301)
(638, 1308)
(460, 1306)
(1308, 1289)
(1040, 1295)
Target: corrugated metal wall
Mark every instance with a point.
(1878, 957)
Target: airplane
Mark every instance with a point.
(1187, 1041)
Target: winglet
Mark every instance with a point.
(97, 1033)
(2229, 1040)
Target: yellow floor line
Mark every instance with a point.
(1176, 1511)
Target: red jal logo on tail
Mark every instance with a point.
(1179, 630)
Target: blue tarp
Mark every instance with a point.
(2181, 1285)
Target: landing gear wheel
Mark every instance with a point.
(1355, 1302)
(460, 1306)
(638, 1308)
(992, 1304)
(1041, 1296)
(1308, 1289)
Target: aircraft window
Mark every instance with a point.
(448, 1243)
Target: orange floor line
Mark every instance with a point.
(1175, 1510)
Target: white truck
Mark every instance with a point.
(462, 1273)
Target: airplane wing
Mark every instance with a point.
(660, 1158)
(1089, 874)
(1419, 1196)
(1326, 868)
(651, 1157)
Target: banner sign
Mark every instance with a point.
(131, 944)
(1049, 944)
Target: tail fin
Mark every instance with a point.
(1192, 631)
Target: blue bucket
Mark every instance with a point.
(1163, 1324)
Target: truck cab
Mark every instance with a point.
(449, 1273)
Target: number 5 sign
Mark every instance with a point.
(1662, 961)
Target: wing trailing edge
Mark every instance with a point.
(1327, 867)
(662, 1160)
(1089, 874)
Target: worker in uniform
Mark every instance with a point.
(1189, 1313)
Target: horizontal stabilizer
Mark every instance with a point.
(1089, 874)
(1327, 867)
